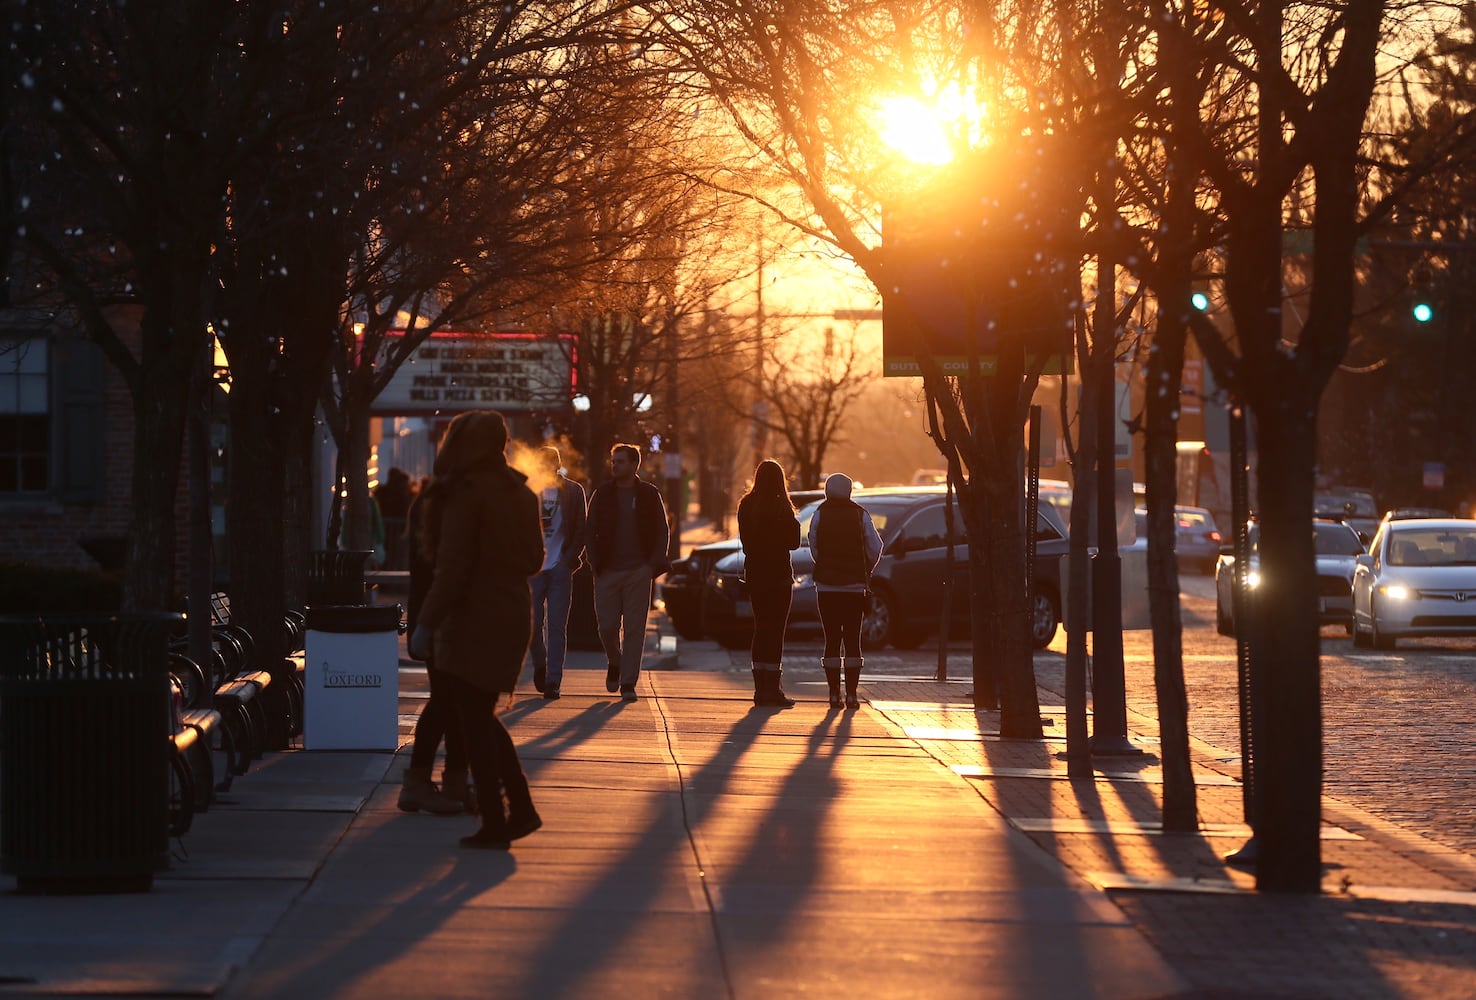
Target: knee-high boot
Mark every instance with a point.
(853, 677)
(832, 665)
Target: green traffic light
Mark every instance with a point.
(1422, 312)
(1200, 301)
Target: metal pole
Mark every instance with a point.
(1241, 609)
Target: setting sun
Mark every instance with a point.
(913, 128)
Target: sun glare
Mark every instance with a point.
(915, 130)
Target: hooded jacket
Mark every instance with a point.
(488, 542)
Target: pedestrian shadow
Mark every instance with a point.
(376, 900)
(603, 937)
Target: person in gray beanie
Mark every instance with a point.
(846, 547)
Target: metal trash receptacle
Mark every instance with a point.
(84, 750)
(336, 577)
(352, 695)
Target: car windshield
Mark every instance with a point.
(1337, 540)
(1433, 547)
(1328, 539)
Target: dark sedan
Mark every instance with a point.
(907, 588)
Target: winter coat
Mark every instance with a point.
(651, 526)
(490, 542)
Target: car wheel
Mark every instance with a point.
(1045, 616)
(1223, 623)
(879, 624)
(1376, 638)
(1360, 637)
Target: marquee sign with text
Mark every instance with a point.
(450, 372)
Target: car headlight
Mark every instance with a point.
(802, 580)
(1394, 591)
(1253, 578)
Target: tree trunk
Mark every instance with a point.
(1009, 610)
(1285, 677)
(354, 462)
(1165, 363)
(161, 399)
(158, 441)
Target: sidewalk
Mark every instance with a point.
(694, 846)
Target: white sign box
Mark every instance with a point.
(499, 371)
(352, 695)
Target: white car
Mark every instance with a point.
(1337, 547)
(1418, 578)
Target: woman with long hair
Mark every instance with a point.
(769, 531)
(483, 531)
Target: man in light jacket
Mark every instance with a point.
(562, 507)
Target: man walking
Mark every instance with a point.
(561, 503)
(627, 537)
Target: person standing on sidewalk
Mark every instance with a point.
(483, 532)
(627, 537)
(846, 547)
(769, 531)
(562, 505)
(437, 718)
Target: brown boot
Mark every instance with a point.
(418, 792)
(455, 785)
(832, 665)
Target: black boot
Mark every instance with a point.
(493, 836)
(832, 665)
(783, 700)
(766, 690)
(522, 818)
(853, 678)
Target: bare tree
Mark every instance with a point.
(803, 399)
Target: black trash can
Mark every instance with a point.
(84, 750)
(336, 576)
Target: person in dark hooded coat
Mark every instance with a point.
(483, 529)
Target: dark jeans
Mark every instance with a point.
(840, 614)
(771, 600)
(553, 590)
(437, 720)
(489, 750)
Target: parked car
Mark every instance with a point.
(1417, 579)
(1197, 540)
(1337, 547)
(1057, 493)
(681, 589)
(906, 600)
(1405, 513)
(1354, 507)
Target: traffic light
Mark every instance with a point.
(1199, 294)
(1420, 281)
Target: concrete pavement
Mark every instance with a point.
(694, 846)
